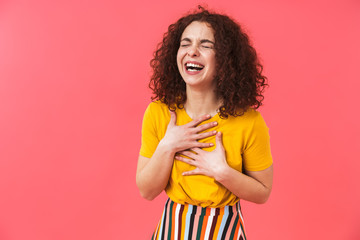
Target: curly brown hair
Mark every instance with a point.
(239, 80)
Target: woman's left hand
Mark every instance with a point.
(206, 163)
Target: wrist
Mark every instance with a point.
(166, 147)
(222, 173)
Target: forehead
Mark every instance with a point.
(198, 30)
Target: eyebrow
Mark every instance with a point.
(201, 41)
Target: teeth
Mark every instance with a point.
(194, 65)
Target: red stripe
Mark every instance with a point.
(213, 225)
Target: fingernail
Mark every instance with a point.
(214, 132)
(215, 123)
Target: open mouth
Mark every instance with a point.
(193, 67)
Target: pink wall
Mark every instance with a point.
(73, 89)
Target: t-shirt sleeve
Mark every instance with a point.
(149, 138)
(257, 154)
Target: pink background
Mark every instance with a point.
(73, 89)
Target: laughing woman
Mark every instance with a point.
(203, 141)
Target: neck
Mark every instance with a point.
(199, 103)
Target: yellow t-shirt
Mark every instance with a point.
(246, 143)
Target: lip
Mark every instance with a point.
(194, 62)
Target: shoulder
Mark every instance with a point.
(157, 111)
(248, 124)
(252, 114)
(250, 118)
(256, 119)
(157, 107)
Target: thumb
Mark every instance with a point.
(218, 140)
(172, 118)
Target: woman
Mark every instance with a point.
(203, 141)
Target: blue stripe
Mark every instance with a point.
(188, 216)
(223, 222)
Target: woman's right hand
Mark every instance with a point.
(179, 138)
(153, 173)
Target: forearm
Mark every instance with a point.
(154, 176)
(243, 186)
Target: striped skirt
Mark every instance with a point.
(189, 222)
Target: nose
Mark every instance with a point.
(193, 51)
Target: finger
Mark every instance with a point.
(205, 135)
(196, 171)
(197, 121)
(197, 150)
(185, 160)
(205, 126)
(189, 154)
(203, 145)
(172, 118)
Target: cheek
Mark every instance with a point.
(212, 61)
